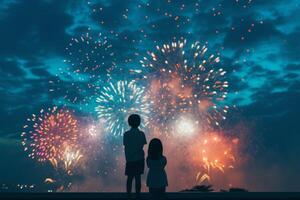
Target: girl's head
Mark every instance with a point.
(155, 150)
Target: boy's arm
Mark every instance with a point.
(144, 139)
(124, 139)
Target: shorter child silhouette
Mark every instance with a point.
(157, 178)
(134, 141)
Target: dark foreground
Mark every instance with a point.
(145, 196)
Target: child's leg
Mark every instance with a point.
(162, 193)
(138, 183)
(152, 193)
(129, 183)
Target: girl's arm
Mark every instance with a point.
(157, 163)
(150, 163)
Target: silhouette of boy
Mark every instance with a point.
(134, 141)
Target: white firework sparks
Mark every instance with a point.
(119, 100)
(184, 80)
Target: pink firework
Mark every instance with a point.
(47, 134)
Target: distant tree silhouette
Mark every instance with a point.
(209, 188)
(200, 188)
(234, 190)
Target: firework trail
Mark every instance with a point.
(88, 59)
(183, 80)
(214, 152)
(47, 135)
(117, 101)
(71, 160)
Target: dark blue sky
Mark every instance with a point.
(259, 44)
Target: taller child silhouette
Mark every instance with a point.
(134, 141)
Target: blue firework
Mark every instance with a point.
(117, 101)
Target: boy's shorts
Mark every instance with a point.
(135, 168)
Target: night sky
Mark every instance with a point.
(259, 47)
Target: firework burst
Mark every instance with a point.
(47, 135)
(71, 159)
(87, 54)
(88, 58)
(117, 101)
(214, 152)
(184, 80)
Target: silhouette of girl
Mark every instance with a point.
(157, 178)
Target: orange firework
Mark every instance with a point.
(215, 152)
(69, 161)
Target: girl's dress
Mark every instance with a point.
(157, 176)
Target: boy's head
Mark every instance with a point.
(134, 120)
